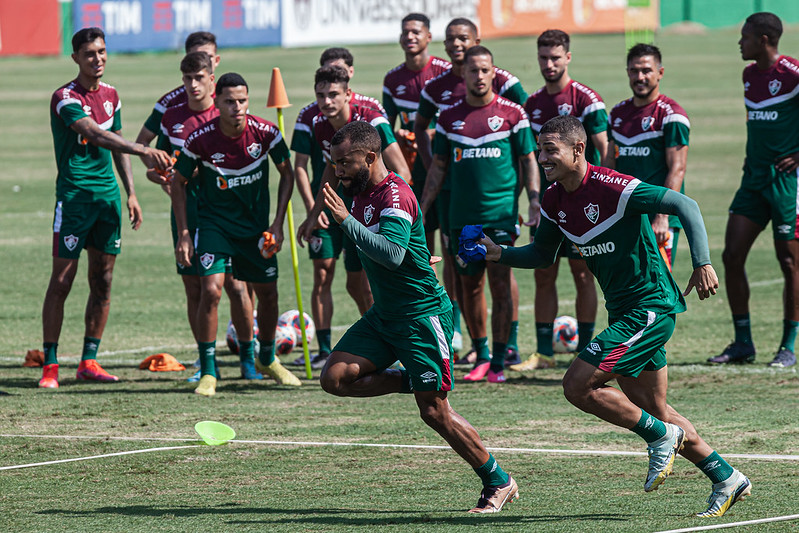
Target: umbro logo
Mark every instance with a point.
(429, 377)
(446, 95)
(617, 122)
(594, 348)
(458, 125)
(177, 128)
(562, 217)
(712, 465)
(217, 158)
(783, 229)
(400, 89)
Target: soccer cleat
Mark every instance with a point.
(197, 375)
(725, 494)
(661, 456)
(278, 372)
(248, 370)
(457, 341)
(468, 359)
(318, 360)
(783, 359)
(537, 361)
(206, 386)
(90, 370)
(496, 377)
(512, 357)
(492, 499)
(478, 373)
(735, 352)
(49, 377)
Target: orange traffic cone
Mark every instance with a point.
(277, 91)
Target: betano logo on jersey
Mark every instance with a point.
(490, 152)
(597, 249)
(223, 183)
(769, 116)
(632, 151)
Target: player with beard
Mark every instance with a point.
(605, 214)
(561, 95)
(411, 320)
(480, 142)
(649, 138)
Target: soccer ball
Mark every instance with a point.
(292, 318)
(233, 340)
(564, 334)
(285, 339)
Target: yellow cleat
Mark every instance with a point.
(278, 372)
(206, 386)
(537, 361)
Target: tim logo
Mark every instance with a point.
(495, 122)
(206, 260)
(70, 241)
(368, 211)
(254, 150)
(592, 212)
(565, 109)
(647, 122)
(774, 87)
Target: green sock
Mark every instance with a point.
(456, 315)
(90, 345)
(715, 467)
(246, 351)
(323, 338)
(498, 357)
(585, 332)
(513, 338)
(50, 351)
(543, 335)
(207, 358)
(481, 350)
(266, 356)
(649, 428)
(789, 329)
(743, 330)
(491, 473)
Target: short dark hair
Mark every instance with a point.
(195, 62)
(554, 38)
(463, 21)
(421, 17)
(332, 54)
(86, 35)
(767, 24)
(642, 50)
(361, 135)
(332, 74)
(478, 50)
(567, 127)
(230, 79)
(200, 38)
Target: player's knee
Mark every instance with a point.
(432, 416)
(545, 277)
(100, 284)
(731, 258)
(574, 390)
(333, 381)
(787, 262)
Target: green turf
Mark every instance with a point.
(280, 487)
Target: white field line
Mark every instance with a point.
(131, 452)
(734, 524)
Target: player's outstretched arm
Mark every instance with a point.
(676, 161)
(316, 217)
(540, 253)
(688, 211)
(145, 137)
(93, 133)
(184, 249)
(125, 171)
(284, 190)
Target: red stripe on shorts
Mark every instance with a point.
(610, 361)
(56, 240)
(446, 377)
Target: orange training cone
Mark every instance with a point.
(277, 91)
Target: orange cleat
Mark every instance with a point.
(90, 370)
(49, 377)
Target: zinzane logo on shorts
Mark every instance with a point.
(206, 260)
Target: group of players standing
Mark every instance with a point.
(483, 152)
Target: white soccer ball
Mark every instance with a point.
(292, 318)
(285, 339)
(564, 334)
(233, 340)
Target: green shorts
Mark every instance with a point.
(423, 346)
(194, 268)
(499, 236)
(776, 203)
(77, 225)
(217, 252)
(631, 343)
(326, 243)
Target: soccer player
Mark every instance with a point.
(649, 137)
(561, 95)
(439, 94)
(605, 214)
(230, 155)
(402, 88)
(86, 124)
(479, 143)
(178, 122)
(327, 243)
(768, 190)
(411, 320)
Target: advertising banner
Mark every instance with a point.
(24, 34)
(327, 22)
(503, 18)
(138, 25)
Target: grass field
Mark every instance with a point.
(264, 482)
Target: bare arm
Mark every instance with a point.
(284, 190)
(145, 137)
(302, 180)
(89, 130)
(122, 164)
(532, 184)
(423, 142)
(315, 215)
(609, 161)
(676, 161)
(434, 181)
(184, 248)
(600, 141)
(392, 155)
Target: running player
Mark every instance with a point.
(326, 243)
(479, 143)
(561, 95)
(649, 138)
(439, 94)
(768, 190)
(230, 155)
(86, 125)
(411, 320)
(178, 122)
(402, 88)
(604, 213)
